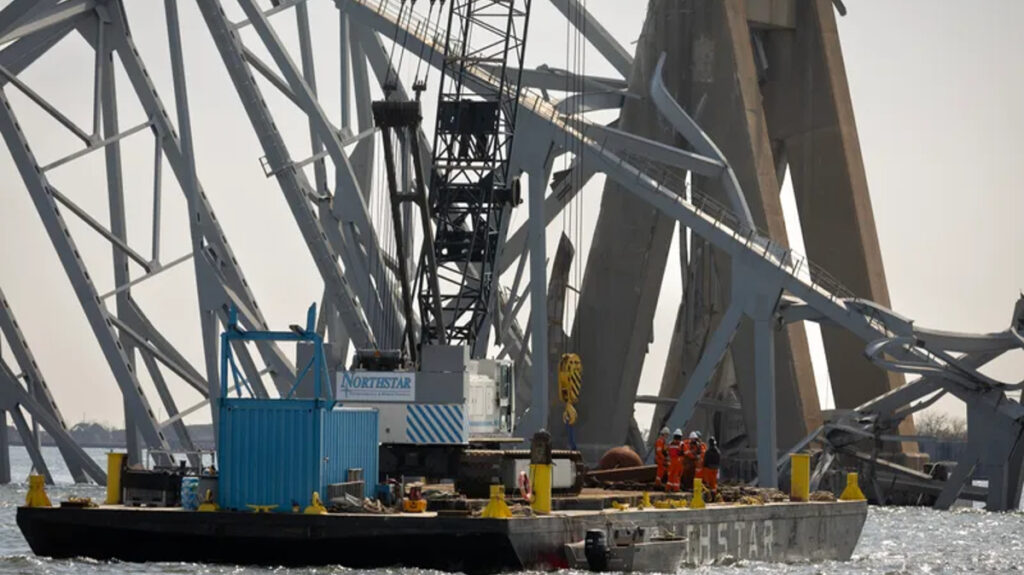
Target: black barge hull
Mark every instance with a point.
(778, 532)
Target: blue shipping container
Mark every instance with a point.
(279, 451)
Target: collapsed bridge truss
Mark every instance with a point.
(332, 191)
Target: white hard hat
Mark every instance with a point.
(694, 435)
(664, 430)
(678, 432)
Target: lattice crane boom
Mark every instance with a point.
(471, 187)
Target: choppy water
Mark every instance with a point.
(895, 541)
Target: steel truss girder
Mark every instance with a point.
(44, 15)
(99, 318)
(220, 271)
(215, 264)
(292, 182)
(767, 266)
(214, 261)
(770, 263)
(350, 231)
(558, 80)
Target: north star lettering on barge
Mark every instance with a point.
(712, 542)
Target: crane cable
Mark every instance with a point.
(423, 46)
(391, 53)
(433, 41)
(570, 367)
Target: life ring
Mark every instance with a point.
(525, 490)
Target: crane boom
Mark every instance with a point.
(471, 187)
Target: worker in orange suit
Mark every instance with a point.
(693, 458)
(709, 471)
(661, 456)
(675, 460)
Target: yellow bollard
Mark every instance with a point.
(645, 501)
(852, 491)
(799, 477)
(36, 496)
(316, 507)
(496, 508)
(541, 473)
(208, 503)
(115, 461)
(697, 501)
(541, 465)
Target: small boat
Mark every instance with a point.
(626, 548)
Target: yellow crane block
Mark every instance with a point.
(570, 380)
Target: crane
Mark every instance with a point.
(471, 187)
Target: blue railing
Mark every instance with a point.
(233, 333)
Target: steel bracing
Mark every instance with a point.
(368, 249)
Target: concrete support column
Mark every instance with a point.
(811, 124)
(722, 73)
(810, 111)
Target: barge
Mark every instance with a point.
(778, 532)
(275, 453)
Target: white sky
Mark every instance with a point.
(937, 91)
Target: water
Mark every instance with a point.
(895, 541)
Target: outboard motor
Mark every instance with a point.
(595, 548)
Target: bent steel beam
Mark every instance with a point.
(701, 143)
(217, 270)
(293, 183)
(361, 249)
